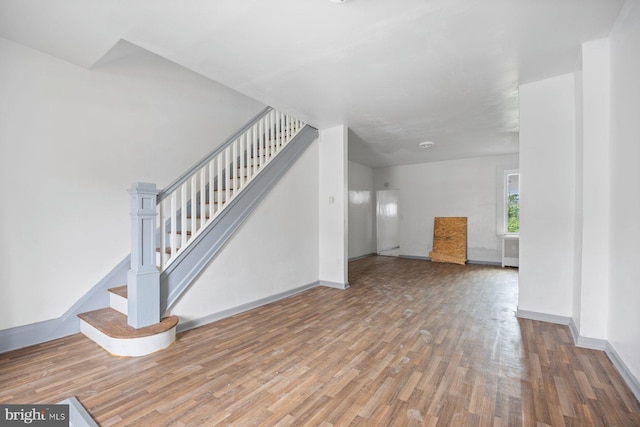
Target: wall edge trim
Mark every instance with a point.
(543, 317)
(469, 261)
(590, 343)
(355, 258)
(623, 370)
(334, 285)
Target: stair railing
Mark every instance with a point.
(194, 200)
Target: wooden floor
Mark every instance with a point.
(410, 343)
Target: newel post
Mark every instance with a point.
(143, 279)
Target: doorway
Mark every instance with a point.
(387, 222)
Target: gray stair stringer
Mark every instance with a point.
(175, 280)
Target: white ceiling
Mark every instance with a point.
(397, 72)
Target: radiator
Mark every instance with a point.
(510, 251)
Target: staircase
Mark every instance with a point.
(178, 230)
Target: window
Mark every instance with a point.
(512, 202)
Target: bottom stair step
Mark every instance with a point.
(109, 329)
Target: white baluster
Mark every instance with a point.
(253, 149)
(194, 206)
(243, 170)
(227, 183)
(279, 132)
(234, 167)
(286, 129)
(203, 194)
(212, 175)
(183, 208)
(163, 233)
(220, 182)
(174, 224)
(261, 142)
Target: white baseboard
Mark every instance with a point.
(590, 343)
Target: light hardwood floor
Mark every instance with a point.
(410, 343)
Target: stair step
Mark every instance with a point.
(120, 290)
(110, 330)
(118, 299)
(114, 324)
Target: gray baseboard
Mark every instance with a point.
(469, 261)
(78, 415)
(477, 262)
(590, 343)
(586, 342)
(543, 317)
(68, 323)
(624, 371)
(334, 285)
(355, 258)
(191, 324)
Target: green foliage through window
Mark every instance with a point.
(513, 213)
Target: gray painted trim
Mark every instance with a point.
(476, 262)
(78, 415)
(97, 297)
(422, 258)
(68, 323)
(191, 324)
(181, 273)
(543, 317)
(585, 342)
(623, 369)
(574, 330)
(590, 343)
(355, 258)
(334, 285)
(175, 184)
(469, 261)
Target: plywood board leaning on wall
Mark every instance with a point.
(449, 240)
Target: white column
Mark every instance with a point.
(333, 206)
(594, 289)
(143, 279)
(547, 186)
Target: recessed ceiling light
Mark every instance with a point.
(426, 144)
(339, 1)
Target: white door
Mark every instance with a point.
(387, 223)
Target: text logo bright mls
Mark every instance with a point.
(34, 415)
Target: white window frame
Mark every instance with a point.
(505, 198)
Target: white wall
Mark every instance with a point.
(547, 169)
(593, 173)
(579, 190)
(450, 188)
(274, 251)
(333, 206)
(362, 204)
(624, 290)
(72, 141)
